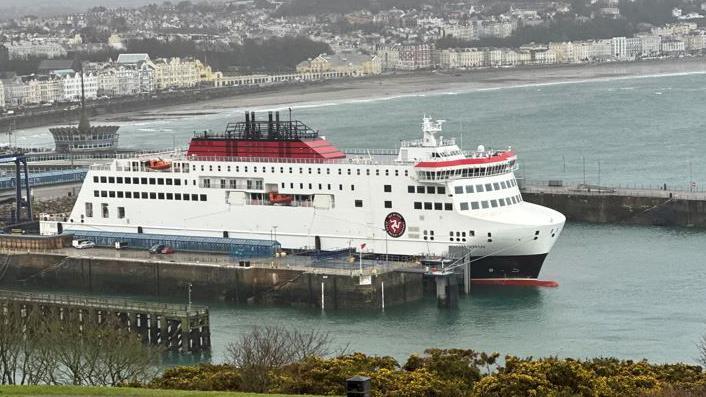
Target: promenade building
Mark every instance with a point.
(493, 57)
(175, 73)
(2, 95)
(389, 56)
(115, 79)
(511, 57)
(145, 69)
(470, 58)
(602, 50)
(31, 90)
(633, 47)
(415, 57)
(695, 42)
(564, 51)
(618, 46)
(672, 46)
(182, 73)
(344, 64)
(71, 86)
(650, 44)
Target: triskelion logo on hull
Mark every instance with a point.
(395, 224)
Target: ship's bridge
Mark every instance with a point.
(439, 159)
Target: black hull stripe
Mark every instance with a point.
(519, 266)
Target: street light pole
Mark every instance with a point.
(188, 307)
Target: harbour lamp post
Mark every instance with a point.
(188, 306)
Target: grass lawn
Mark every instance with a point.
(116, 391)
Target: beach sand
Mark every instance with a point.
(401, 84)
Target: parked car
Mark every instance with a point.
(167, 250)
(161, 249)
(156, 249)
(81, 244)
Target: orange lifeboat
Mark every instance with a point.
(158, 164)
(280, 198)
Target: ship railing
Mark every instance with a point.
(420, 142)
(484, 154)
(685, 191)
(363, 159)
(293, 203)
(374, 152)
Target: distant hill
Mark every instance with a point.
(15, 8)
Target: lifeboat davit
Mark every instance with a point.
(280, 198)
(158, 164)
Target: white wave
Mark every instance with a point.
(457, 91)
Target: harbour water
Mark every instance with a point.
(630, 292)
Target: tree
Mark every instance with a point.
(702, 351)
(36, 347)
(265, 349)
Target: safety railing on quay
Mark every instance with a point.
(101, 303)
(640, 190)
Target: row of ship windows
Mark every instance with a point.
(426, 189)
(310, 170)
(467, 172)
(460, 236)
(92, 146)
(418, 205)
(475, 205)
(74, 138)
(321, 186)
(138, 181)
(488, 187)
(151, 195)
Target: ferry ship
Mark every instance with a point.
(259, 179)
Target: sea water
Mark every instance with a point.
(629, 292)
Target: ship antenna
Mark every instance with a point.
(289, 132)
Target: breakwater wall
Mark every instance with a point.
(623, 206)
(223, 281)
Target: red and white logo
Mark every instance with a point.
(395, 224)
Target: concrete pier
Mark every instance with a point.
(213, 277)
(594, 204)
(186, 327)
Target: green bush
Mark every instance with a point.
(201, 377)
(457, 373)
(326, 376)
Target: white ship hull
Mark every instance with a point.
(334, 205)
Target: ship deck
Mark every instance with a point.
(353, 157)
